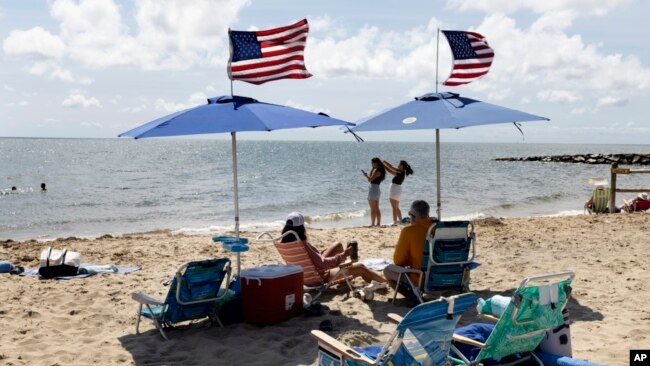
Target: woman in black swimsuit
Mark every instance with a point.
(376, 176)
(395, 191)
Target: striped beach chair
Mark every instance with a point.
(314, 279)
(194, 293)
(599, 200)
(422, 337)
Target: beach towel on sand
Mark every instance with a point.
(87, 270)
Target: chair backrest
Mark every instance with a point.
(445, 254)
(426, 330)
(532, 311)
(600, 200)
(294, 252)
(195, 289)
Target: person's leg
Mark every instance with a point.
(397, 215)
(333, 249)
(375, 215)
(392, 277)
(359, 270)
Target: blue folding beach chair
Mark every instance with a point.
(422, 337)
(194, 293)
(446, 262)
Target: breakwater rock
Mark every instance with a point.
(638, 159)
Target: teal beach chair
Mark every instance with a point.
(446, 262)
(447, 256)
(533, 310)
(194, 293)
(422, 337)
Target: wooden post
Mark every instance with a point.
(612, 191)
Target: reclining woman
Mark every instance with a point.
(328, 260)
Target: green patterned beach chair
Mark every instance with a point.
(423, 337)
(533, 310)
(194, 293)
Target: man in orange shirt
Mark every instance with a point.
(410, 246)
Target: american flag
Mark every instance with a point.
(265, 55)
(472, 57)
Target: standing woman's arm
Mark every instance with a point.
(389, 168)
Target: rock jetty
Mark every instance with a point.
(627, 159)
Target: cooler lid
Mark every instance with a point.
(269, 271)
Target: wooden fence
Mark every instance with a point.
(616, 171)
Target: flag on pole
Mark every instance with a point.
(266, 55)
(472, 57)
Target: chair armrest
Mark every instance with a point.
(471, 342)
(145, 299)
(332, 345)
(266, 233)
(394, 317)
(489, 317)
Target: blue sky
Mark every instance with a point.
(95, 68)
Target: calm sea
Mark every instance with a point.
(117, 186)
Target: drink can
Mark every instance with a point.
(354, 257)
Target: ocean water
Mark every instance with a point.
(118, 186)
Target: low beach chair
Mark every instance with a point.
(532, 311)
(422, 337)
(446, 263)
(599, 201)
(194, 293)
(295, 253)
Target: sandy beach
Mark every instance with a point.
(91, 320)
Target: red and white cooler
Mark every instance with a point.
(271, 293)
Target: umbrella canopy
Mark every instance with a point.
(232, 114)
(441, 110)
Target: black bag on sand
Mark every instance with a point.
(57, 263)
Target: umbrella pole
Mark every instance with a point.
(236, 186)
(438, 173)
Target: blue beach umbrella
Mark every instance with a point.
(441, 110)
(232, 114)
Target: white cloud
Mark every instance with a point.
(597, 7)
(135, 109)
(35, 44)
(371, 53)
(578, 111)
(9, 88)
(22, 103)
(557, 96)
(169, 34)
(77, 100)
(305, 107)
(611, 101)
(53, 71)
